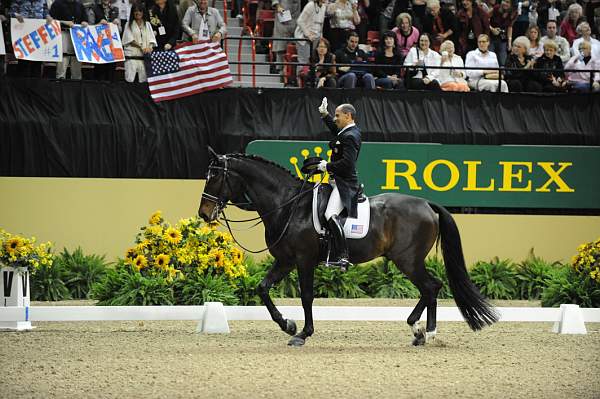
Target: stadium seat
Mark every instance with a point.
(373, 38)
(291, 55)
(265, 20)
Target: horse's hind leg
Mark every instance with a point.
(275, 274)
(428, 286)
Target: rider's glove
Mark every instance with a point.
(322, 166)
(323, 107)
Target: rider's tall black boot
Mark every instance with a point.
(340, 247)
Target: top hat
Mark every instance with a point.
(310, 165)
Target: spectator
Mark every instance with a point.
(488, 6)
(521, 23)
(388, 11)
(286, 28)
(484, 80)
(418, 10)
(35, 9)
(584, 61)
(104, 13)
(518, 81)
(389, 77)
(3, 20)
(564, 50)
(551, 81)
(309, 26)
(501, 27)
(586, 36)
(569, 24)
(439, 23)
(451, 79)
(472, 22)
(363, 28)
(424, 59)
(202, 22)
(351, 54)
(406, 34)
(322, 76)
(548, 10)
(138, 40)
(343, 20)
(592, 15)
(536, 48)
(69, 13)
(165, 24)
(124, 7)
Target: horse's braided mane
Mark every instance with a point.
(265, 161)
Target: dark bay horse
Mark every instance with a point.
(402, 228)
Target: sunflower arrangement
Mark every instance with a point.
(22, 252)
(190, 247)
(587, 260)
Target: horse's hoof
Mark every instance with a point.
(419, 339)
(290, 327)
(296, 341)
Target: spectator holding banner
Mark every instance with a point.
(138, 40)
(34, 9)
(202, 22)
(104, 13)
(69, 13)
(165, 24)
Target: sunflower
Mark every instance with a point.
(162, 261)
(156, 218)
(140, 262)
(219, 258)
(13, 245)
(130, 254)
(237, 255)
(172, 235)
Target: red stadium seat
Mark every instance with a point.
(265, 20)
(373, 38)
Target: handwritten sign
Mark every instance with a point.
(97, 44)
(36, 40)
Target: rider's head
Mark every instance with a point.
(344, 115)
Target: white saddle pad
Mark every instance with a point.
(354, 228)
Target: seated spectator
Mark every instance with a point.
(439, 23)
(550, 81)
(484, 80)
(472, 22)
(564, 50)
(389, 77)
(322, 76)
(343, 20)
(451, 79)
(202, 22)
(424, 59)
(165, 24)
(406, 34)
(351, 54)
(103, 13)
(388, 11)
(501, 27)
(585, 31)
(309, 26)
(519, 59)
(569, 24)
(418, 10)
(34, 9)
(69, 13)
(584, 61)
(536, 49)
(284, 29)
(138, 40)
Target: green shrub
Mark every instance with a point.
(112, 282)
(330, 282)
(47, 284)
(386, 281)
(198, 288)
(569, 286)
(495, 279)
(533, 276)
(134, 289)
(435, 267)
(80, 271)
(289, 287)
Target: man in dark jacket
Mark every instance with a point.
(345, 148)
(69, 13)
(351, 54)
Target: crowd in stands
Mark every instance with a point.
(404, 40)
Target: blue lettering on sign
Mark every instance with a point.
(92, 48)
(50, 31)
(55, 55)
(35, 38)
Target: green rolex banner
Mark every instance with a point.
(504, 176)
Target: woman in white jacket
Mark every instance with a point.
(424, 59)
(138, 40)
(451, 79)
(483, 80)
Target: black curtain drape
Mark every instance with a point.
(98, 129)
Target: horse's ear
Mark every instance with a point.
(212, 154)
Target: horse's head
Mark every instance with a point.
(223, 184)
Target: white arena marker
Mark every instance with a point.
(215, 319)
(14, 294)
(571, 321)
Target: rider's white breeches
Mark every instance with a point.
(334, 206)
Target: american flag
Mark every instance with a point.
(357, 229)
(189, 69)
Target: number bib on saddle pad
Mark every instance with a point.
(354, 228)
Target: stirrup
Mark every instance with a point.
(343, 263)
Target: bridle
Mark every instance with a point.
(221, 204)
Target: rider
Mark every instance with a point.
(345, 148)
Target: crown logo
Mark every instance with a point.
(305, 152)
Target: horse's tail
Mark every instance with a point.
(475, 308)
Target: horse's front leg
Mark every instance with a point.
(275, 274)
(306, 275)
